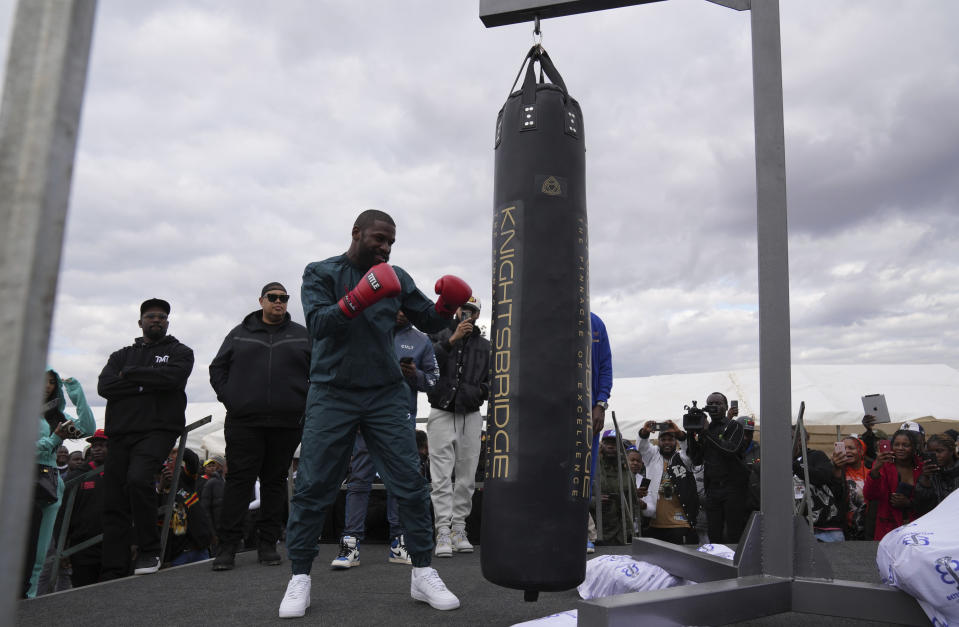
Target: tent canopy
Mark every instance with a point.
(832, 394)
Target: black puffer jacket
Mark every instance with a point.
(261, 374)
(144, 385)
(464, 372)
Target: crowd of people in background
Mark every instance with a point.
(700, 485)
(697, 484)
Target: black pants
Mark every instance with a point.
(84, 574)
(251, 452)
(129, 496)
(725, 507)
(674, 535)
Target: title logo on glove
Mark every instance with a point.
(373, 282)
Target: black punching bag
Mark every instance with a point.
(538, 430)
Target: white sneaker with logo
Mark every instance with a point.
(460, 542)
(398, 553)
(349, 554)
(426, 586)
(297, 597)
(444, 545)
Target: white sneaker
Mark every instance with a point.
(426, 586)
(297, 597)
(349, 554)
(460, 542)
(444, 545)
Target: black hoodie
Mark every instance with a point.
(144, 385)
(262, 372)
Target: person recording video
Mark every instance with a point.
(671, 502)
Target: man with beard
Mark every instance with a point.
(671, 503)
(350, 302)
(144, 385)
(260, 374)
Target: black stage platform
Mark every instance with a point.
(375, 593)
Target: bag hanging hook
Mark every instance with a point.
(537, 33)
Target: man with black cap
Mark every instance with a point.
(261, 374)
(455, 425)
(144, 385)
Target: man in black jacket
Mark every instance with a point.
(455, 425)
(86, 518)
(144, 385)
(261, 375)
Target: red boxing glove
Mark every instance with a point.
(378, 283)
(453, 292)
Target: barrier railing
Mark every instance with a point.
(72, 486)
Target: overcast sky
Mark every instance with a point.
(227, 144)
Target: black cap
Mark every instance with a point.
(153, 303)
(275, 285)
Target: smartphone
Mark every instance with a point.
(734, 404)
(465, 315)
(884, 446)
(839, 448)
(929, 458)
(644, 483)
(406, 360)
(661, 426)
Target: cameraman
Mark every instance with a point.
(671, 501)
(455, 424)
(726, 476)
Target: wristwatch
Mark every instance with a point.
(603, 404)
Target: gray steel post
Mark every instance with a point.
(39, 121)
(774, 355)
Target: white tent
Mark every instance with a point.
(832, 395)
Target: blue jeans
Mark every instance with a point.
(362, 473)
(188, 557)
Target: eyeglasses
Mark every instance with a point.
(278, 297)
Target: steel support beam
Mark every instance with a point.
(39, 121)
(683, 560)
(503, 12)
(854, 599)
(713, 603)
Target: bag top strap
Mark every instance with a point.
(537, 54)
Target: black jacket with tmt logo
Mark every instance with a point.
(145, 385)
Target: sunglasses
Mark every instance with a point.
(278, 297)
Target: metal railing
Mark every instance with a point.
(72, 486)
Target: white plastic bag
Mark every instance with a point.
(922, 558)
(607, 575)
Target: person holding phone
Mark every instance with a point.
(455, 424)
(55, 427)
(850, 468)
(672, 500)
(892, 481)
(940, 473)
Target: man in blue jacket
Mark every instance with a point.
(261, 374)
(350, 302)
(602, 384)
(418, 363)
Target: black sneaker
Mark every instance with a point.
(146, 564)
(225, 557)
(266, 553)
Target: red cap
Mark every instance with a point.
(99, 434)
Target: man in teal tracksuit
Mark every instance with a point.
(356, 379)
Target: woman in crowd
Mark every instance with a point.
(892, 481)
(849, 466)
(940, 473)
(54, 428)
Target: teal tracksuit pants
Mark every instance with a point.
(332, 415)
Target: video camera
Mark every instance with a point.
(694, 419)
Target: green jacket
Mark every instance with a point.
(47, 441)
(358, 353)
